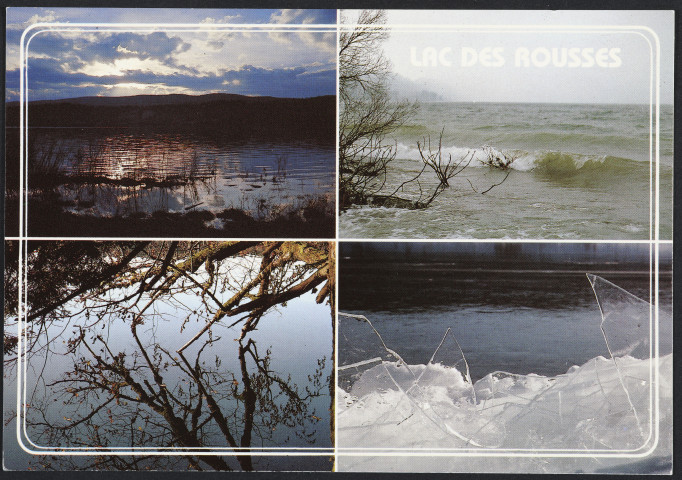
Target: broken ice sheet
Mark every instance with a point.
(361, 348)
(626, 319)
(449, 355)
(440, 391)
(445, 393)
(601, 405)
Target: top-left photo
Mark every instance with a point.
(170, 123)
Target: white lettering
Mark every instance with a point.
(469, 57)
(497, 55)
(521, 57)
(602, 57)
(588, 60)
(535, 57)
(555, 57)
(617, 62)
(430, 57)
(442, 57)
(413, 57)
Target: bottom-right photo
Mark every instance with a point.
(504, 357)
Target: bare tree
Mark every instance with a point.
(367, 114)
(153, 397)
(135, 385)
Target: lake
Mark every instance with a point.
(272, 390)
(579, 172)
(511, 311)
(109, 172)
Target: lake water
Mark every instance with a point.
(541, 373)
(580, 172)
(142, 172)
(520, 318)
(293, 344)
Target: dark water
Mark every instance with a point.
(517, 318)
(134, 171)
(290, 410)
(580, 172)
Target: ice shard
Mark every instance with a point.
(626, 319)
(449, 355)
(627, 323)
(361, 348)
(604, 404)
(441, 391)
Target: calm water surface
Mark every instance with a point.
(514, 320)
(294, 344)
(172, 172)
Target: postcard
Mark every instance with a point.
(295, 240)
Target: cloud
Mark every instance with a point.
(122, 49)
(132, 88)
(216, 45)
(48, 16)
(72, 63)
(287, 15)
(325, 41)
(288, 82)
(300, 16)
(48, 79)
(107, 46)
(225, 19)
(123, 66)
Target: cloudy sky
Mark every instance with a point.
(67, 64)
(625, 81)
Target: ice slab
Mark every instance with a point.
(601, 405)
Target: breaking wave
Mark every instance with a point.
(549, 163)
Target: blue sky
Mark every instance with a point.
(67, 64)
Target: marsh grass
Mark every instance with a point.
(310, 216)
(76, 194)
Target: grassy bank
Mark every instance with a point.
(314, 218)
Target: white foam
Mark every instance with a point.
(486, 156)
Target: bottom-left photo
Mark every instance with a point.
(168, 355)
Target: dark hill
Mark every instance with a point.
(224, 115)
(150, 100)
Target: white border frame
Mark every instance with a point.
(22, 435)
(654, 239)
(650, 445)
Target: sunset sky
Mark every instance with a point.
(67, 64)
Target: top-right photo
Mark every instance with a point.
(506, 124)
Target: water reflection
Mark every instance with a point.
(104, 173)
(193, 347)
(152, 397)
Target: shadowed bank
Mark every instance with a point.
(176, 165)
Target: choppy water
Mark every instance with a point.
(580, 171)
